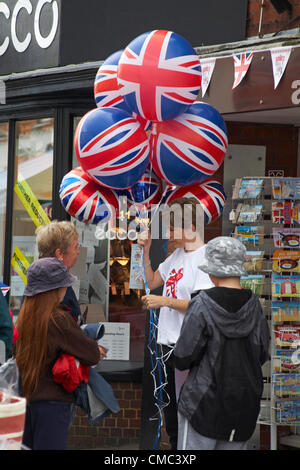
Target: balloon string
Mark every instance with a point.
(158, 365)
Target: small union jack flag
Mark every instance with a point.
(159, 74)
(241, 64)
(4, 288)
(112, 147)
(189, 149)
(209, 194)
(85, 200)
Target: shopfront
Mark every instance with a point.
(45, 97)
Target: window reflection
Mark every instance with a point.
(32, 196)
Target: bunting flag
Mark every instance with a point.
(4, 288)
(207, 68)
(241, 65)
(280, 59)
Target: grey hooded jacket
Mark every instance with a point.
(224, 352)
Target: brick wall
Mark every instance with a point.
(272, 21)
(281, 143)
(117, 429)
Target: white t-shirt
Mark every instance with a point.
(181, 277)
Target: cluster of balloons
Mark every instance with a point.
(147, 137)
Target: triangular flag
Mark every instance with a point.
(4, 288)
(207, 68)
(241, 65)
(280, 59)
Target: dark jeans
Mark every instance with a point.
(170, 411)
(46, 425)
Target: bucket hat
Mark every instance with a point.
(224, 257)
(47, 274)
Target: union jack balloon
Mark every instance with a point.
(160, 75)
(190, 148)
(112, 147)
(107, 91)
(146, 192)
(86, 200)
(210, 195)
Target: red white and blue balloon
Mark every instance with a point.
(160, 75)
(86, 200)
(107, 91)
(106, 88)
(210, 194)
(112, 147)
(146, 193)
(190, 148)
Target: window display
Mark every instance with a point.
(32, 202)
(110, 287)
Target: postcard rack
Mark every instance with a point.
(266, 218)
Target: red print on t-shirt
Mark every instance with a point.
(172, 282)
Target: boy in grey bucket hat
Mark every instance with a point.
(224, 341)
(225, 257)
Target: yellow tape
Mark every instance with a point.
(30, 202)
(20, 264)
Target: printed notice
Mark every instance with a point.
(136, 268)
(116, 340)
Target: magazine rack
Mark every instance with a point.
(266, 218)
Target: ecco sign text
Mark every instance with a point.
(21, 44)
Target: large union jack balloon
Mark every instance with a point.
(85, 200)
(107, 91)
(112, 147)
(190, 148)
(160, 75)
(145, 193)
(210, 194)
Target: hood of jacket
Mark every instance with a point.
(233, 324)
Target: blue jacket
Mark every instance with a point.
(96, 397)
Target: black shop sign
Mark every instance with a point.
(29, 34)
(37, 34)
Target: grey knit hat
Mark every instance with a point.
(224, 257)
(47, 274)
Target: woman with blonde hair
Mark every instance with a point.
(59, 239)
(46, 331)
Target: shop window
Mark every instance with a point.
(3, 188)
(105, 292)
(32, 202)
